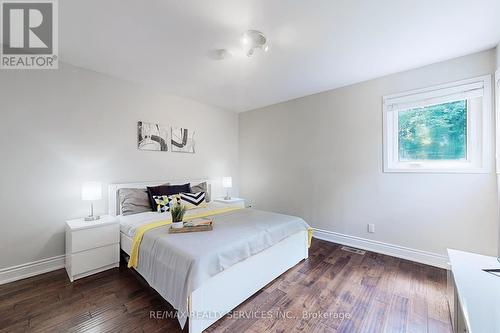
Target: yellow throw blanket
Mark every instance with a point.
(134, 255)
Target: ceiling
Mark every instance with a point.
(315, 45)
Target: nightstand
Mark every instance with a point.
(92, 247)
(235, 202)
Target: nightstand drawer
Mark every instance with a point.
(86, 261)
(85, 239)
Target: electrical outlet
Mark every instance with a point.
(371, 227)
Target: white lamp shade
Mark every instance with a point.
(227, 182)
(91, 191)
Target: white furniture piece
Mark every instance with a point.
(473, 294)
(233, 202)
(92, 246)
(226, 290)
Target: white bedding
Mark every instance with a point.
(130, 223)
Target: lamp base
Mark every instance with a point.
(92, 218)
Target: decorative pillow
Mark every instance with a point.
(193, 200)
(156, 191)
(133, 201)
(176, 189)
(201, 187)
(164, 202)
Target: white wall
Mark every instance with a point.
(498, 55)
(497, 93)
(320, 157)
(60, 128)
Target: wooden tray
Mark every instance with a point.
(191, 229)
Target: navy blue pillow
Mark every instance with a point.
(166, 190)
(176, 189)
(155, 191)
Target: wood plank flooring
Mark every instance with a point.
(332, 291)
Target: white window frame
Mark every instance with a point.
(479, 127)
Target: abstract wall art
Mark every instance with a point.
(182, 140)
(152, 136)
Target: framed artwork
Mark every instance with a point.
(153, 137)
(182, 140)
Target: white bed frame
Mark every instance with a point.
(226, 290)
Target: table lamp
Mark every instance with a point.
(227, 183)
(92, 191)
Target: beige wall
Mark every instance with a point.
(320, 157)
(60, 128)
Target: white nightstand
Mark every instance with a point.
(92, 247)
(236, 202)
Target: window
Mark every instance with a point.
(435, 132)
(439, 129)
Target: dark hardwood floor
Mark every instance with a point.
(332, 291)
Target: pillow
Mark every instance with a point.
(201, 187)
(155, 191)
(133, 201)
(176, 189)
(165, 189)
(193, 200)
(164, 202)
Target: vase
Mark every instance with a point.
(177, 225)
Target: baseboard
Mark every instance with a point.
(23, 271)
(30, 269)
(420, 256)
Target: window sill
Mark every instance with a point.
(439, 170)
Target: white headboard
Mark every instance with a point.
(114, 201)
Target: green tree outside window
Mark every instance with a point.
(437, 132)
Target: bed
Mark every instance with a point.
(244, 242)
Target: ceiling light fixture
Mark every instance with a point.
(253, 39)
